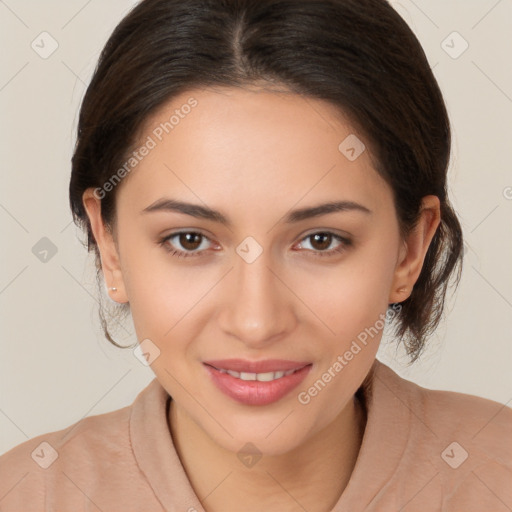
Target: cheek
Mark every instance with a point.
(155, 288)
(349, 296)
(163, 303)
(169, 302)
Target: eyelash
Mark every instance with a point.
(186, 254)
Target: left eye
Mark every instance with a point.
(324, 239)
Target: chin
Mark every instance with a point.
(271, 435)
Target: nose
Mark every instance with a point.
(259, 309)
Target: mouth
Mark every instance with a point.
(257, 382)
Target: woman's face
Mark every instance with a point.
(262, 278)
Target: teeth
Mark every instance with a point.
(261, 377)
(265, 377)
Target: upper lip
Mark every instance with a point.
(263, 366)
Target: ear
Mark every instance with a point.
(110, 262)
(414, 250)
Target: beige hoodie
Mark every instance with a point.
(422, 450)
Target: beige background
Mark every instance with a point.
(56, 367)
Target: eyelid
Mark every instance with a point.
(332, 231)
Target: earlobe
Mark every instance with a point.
(110, 263)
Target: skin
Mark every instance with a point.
(255, 155)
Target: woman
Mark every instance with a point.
(263, 184)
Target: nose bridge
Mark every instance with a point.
(256, 311)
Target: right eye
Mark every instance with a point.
(188, 240)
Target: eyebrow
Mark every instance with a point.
(203, 212)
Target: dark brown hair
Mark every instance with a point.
(359, 55)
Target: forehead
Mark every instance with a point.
(251, 147)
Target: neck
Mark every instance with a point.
(310, 477)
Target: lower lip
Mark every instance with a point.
(253, 392)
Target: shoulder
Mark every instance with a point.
(103, 431)
(90, 443)
(451, 413)
(66, 468)
(457, 445)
